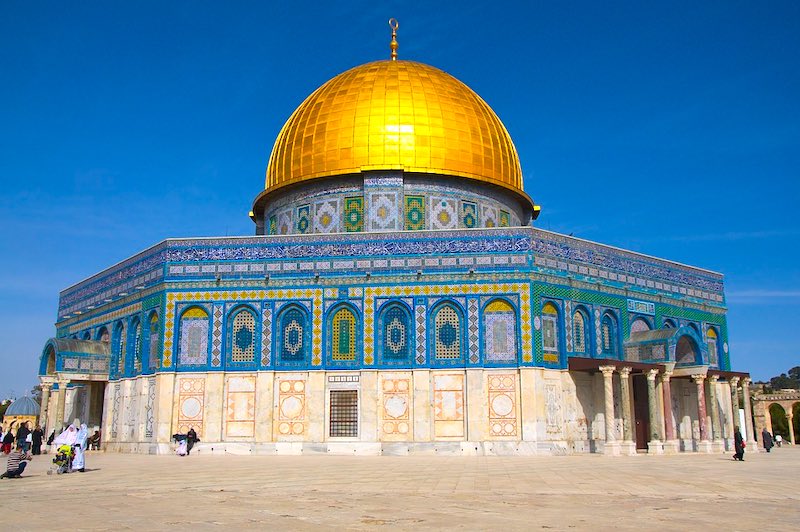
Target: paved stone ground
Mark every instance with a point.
(687, 492)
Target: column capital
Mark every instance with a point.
(607, 370)
(47, 382)
(698, 379)
(734, 381)
(746, 381)
(713, 379)
(666, 376)
(625, 372)
(651, 374)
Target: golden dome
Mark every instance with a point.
(394, 115)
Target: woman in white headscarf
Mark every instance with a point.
(68, 437)
(82, 436)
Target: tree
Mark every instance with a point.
(790, 380)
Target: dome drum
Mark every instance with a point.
(388, 201)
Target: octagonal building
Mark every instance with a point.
(395, 299)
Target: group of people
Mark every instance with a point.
(20, 446)
(185, 442)
(29, 440)
(768, 441)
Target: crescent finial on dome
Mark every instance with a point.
(393, 45)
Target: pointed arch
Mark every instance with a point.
(242, 337)
(136, 346)
(550, 328)
(394, 334)
(609, 336)
(193, 344)
(580, 331)
(712, 342)
(119, 347)
(640, 325)
(447, 326)
(293, 340)
(103, 335)
(152, 348)
(499, 332)
(343, 329)
(669, 323)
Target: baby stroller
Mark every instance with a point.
(63, 460)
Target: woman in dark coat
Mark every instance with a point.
(766, 439)
(191, 438)
(8, 440)
(36, 436)
(738, 444)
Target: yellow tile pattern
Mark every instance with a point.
(398, 115)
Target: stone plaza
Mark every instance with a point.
(698, 491)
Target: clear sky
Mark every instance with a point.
(672, 130)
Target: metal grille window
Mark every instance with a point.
(344, 413)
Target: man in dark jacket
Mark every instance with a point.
(766, 439)
(22, 437)
(738, 444)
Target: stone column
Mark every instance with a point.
(655, 445)
(628, 446)
(733, 382)
(43, 407)
(704, 445)
(790, 419)
(748, 415)
(611, 446)
(716, 429)
(671, 444)
(61, 397)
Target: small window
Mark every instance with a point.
(713, 355)
(608, 332)
(579, 332)
(344, 414)
(550, 327)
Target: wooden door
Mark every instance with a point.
(641, 414)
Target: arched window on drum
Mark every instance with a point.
(447, 335)
(242, 337)
(395, 335)
(193, 345)
(499, 332)
(713, 346)
(550, 328)
(580, 333)
(293, 337)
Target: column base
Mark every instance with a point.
(704, 446)
(672, 447)
(611, 448)
(655, 447)
(729, 444)
(752, 447)
(627, 448)
(718, 446)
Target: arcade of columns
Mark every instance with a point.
(663, 432)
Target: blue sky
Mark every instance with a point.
(671, 129)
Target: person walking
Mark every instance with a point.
(191, 439)
(22, 437)
(17, 461)
(738, 444)
(766, 439)
(36, 440)
(8, 440)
